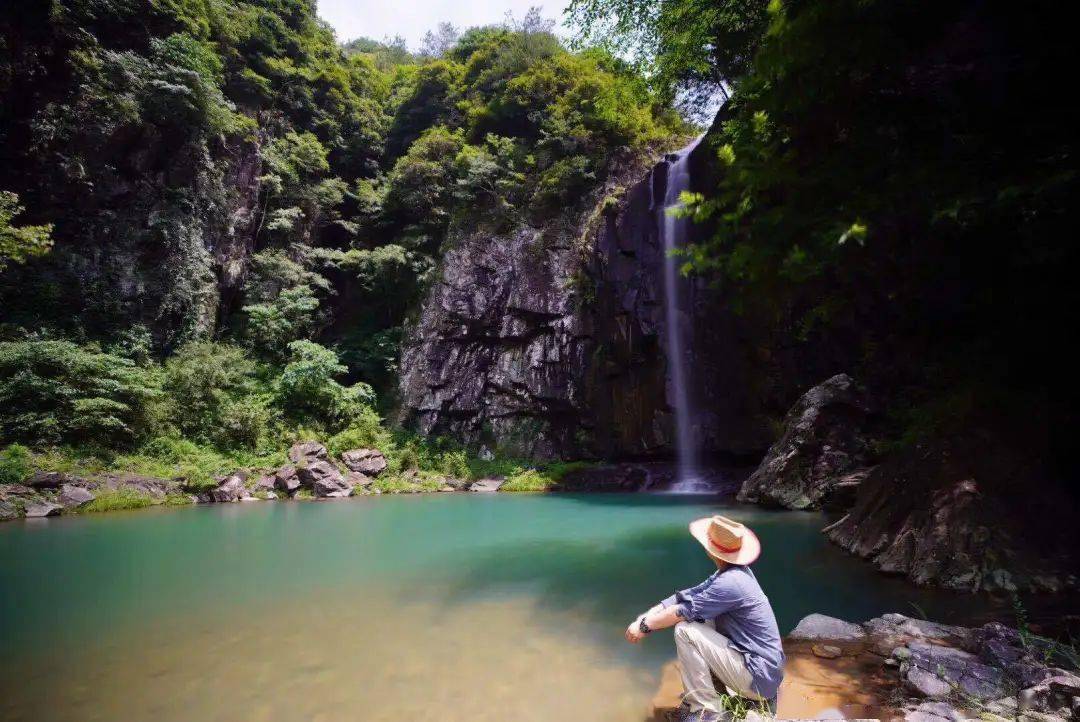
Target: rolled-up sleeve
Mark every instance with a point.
(709, 599)
(681, 597)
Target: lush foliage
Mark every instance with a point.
(55, 391)
(224, 170)
(17, 243)
(15, 464)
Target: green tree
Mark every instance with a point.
(308, 389)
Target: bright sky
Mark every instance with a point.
(412, 18)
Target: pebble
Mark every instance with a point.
(826, 651)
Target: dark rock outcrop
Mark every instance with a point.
(957, 515)
(822, 450)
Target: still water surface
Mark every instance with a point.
(453, 607)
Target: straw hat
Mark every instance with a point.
(726, 539)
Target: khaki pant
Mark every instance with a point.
(704, 652)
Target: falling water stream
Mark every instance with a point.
(673, 229)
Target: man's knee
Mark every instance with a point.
(686, 631)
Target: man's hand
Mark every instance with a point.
(633, 632)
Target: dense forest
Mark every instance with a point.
(216, 219)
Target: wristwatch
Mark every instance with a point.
(643, 627)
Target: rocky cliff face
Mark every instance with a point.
(549, 341)
(962, 512)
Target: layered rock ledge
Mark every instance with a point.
(895, 667)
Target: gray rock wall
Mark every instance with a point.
(549, 341)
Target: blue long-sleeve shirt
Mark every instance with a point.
(733, 598)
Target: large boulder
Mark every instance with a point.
(307, 452)
(370, 462)
(823, 444)
(332, 488)
(324, 479)
(72, 496)
(816, 627)
(287, 479)
(230, 489)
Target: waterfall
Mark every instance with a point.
(677, 319)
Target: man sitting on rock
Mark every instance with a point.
(724, 626)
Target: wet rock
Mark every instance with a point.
(954, 668)
(820, 626)
(307, 452)
(898, 625)
(230, 489)
(824, 443)
(927, 684)
(487, 485)
(370, 462)
(42, 508)
(456, 484)
(287, 479)
(826, 651)
(72, 497)
(890, 632)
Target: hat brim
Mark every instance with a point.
(747, 553)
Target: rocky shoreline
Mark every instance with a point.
(895, 667)
(311, 473)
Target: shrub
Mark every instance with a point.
(528, 480)
(14, 464)
(205, 383)
(365, 431)
(56, 391)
